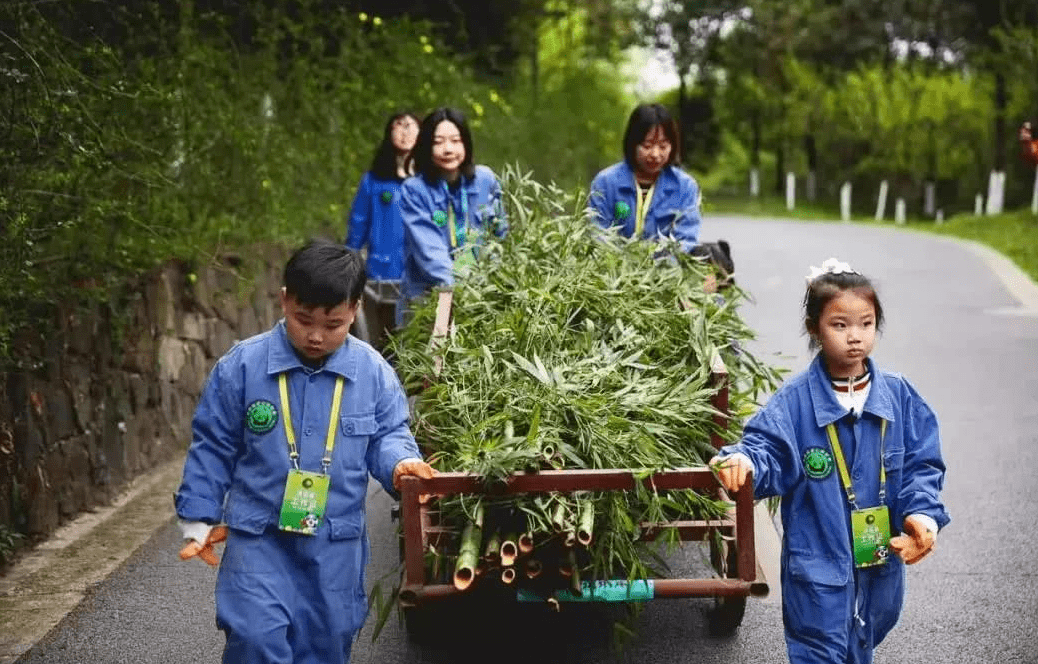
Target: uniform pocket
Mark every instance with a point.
(356, 432)
(811, 568)
(894, 459)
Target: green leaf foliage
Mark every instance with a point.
(572, 347)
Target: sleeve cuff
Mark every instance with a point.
(928, 522)
(195, 530)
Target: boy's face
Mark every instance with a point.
(316, 332)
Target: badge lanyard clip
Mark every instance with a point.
(841, 464)
(329, 443)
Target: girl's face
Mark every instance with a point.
(448, 150)
(653, 153)
(847, 333)
(404, 133)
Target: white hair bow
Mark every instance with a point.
(830, 266)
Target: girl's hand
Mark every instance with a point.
(732, 470)
(916, 543)
(205, 551)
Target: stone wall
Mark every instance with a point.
(111, 399)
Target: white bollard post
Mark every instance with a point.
(1034, 194)
(845, 201)
(929, 199)
(754, 182)
(791, 191)
(978, 205)
(881, 202)
(899, 211)
(939, 217)
(811, 180)
(1000, 205)
(996, 192)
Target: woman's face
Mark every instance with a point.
(653, 153)
(404, 133)
(448, 150)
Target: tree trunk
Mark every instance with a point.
(1000, 121)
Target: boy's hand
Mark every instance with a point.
(731, 470)
(916, 543)
(207, 551)
(414, 467)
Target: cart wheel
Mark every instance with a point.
(727, 613)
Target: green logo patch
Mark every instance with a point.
(818, 463)
(623, 210)
(261, 416)
(440, 218)
(387, 197)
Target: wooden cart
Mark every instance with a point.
(730, 539)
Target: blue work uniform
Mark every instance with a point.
(375, 223)
(673, 210)
(428, 258)
(832, 611)
(283, 597)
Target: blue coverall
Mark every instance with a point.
(832, 612)
(375, 222)
(427, 243)
(283, 597)
(673, 210)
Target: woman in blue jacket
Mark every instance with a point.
(446, 207)
(647, 195)
(375, 223)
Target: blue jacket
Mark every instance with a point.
(427, 247)
(235, 473)
(375, 221)
(822, 590)
(673, 211)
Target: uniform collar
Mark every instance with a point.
(828, 409)
(664, 183)
(281, 357)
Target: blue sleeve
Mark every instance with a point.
(393, 440)
(687, 215)
(499, 222)
(216, 438)
(360, 215)
(924, 469)
(599, 201)
(423, 241)
(769, 440)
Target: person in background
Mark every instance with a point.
(374, 223)
(1028, 145)
(855, 454)
(447, 207)
(647, 195)
(288, 427)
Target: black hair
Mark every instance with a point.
(643, 118)
(422, 152)
(823, 288)
(326, 274)
(383, 165)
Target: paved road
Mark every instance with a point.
(954, 328)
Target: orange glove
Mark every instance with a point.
(916, 543)
(732, 470)
(207, 551)
(414, 467)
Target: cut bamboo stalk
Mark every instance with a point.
(509, 550)
(571, 539)
(492, 550)
(508, 575)
(574, 579)
(526, 543)
(468, 553)
(585, 522)
(558, 517)
(533, 568)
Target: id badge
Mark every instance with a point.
(871, 530)
(306, 495)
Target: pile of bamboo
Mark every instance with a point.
(571, 348)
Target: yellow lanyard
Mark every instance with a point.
(329, 443)
(841, 464)
(642, 208)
